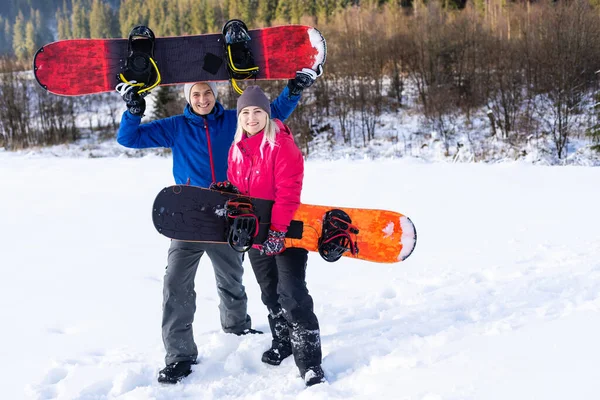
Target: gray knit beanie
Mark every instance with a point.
(187, 88)
(254, 96)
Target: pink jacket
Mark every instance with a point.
(277, 176)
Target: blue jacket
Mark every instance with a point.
(200, 144)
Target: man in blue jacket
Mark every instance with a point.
(199, 139)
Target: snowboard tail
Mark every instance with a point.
(85, 66)
(384, 236)
(192, 213)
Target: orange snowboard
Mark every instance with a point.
(383, 237)
(191, 213)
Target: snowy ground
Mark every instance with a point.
(500, 299)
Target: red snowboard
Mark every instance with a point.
(84, 66)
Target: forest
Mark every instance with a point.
(529, 67)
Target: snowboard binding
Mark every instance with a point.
(140, 65)
(240, 61)
(243, 225)
(335, 237)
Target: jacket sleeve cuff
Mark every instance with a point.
(130, 116)
(288, 93)
(278, 228)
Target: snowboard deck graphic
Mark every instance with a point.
(191, 213)
(84, 66)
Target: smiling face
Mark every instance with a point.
(202, 99)
(253, 119)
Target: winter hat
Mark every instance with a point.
(254, 96)
(187, 88)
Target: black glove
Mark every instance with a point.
(136, 104)
(225, 186)
(274, 244)
(304, 79)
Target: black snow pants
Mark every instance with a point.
(282, 281)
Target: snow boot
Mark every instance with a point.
(248, 331)
(306, 344)
(313, 375)
(277, 353)
(175, 372)
(281, 347)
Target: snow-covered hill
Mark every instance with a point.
(499, 300)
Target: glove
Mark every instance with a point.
(304, 79)
(274, 244)
(136, 104)
(224, 186)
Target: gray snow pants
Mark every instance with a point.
(179, 296)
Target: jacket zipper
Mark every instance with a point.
(210, 156)
(249, 173)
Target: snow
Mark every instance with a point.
(499, 299)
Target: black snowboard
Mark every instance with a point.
(196, 214)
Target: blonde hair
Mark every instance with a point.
(270, 131)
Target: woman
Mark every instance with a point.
(265, 162)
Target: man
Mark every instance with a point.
(199, 139)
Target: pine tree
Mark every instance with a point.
(308, 8)
(19, 45)
(30, 44)
(80, 27)
(165, 103)
(233, 10)
(247, 12)
(185, 16)
(211, 15)
(172, 26)
(157, 17)
(283, 11)
(8, 34)
(124, 12)
(197, 19)
(3, 37)
(323, 10)
(133, 13)
(62, 22)
(42, 33)
(265, 12)
(339, 5)
(100, 20)
(62, 26)
(296, 11)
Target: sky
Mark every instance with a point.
(499, 299)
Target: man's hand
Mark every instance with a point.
(304, 78)
(135, 102)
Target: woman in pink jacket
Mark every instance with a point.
(265, 162)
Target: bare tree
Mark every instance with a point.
(14, 108)
(568, 49)
(56, 119)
